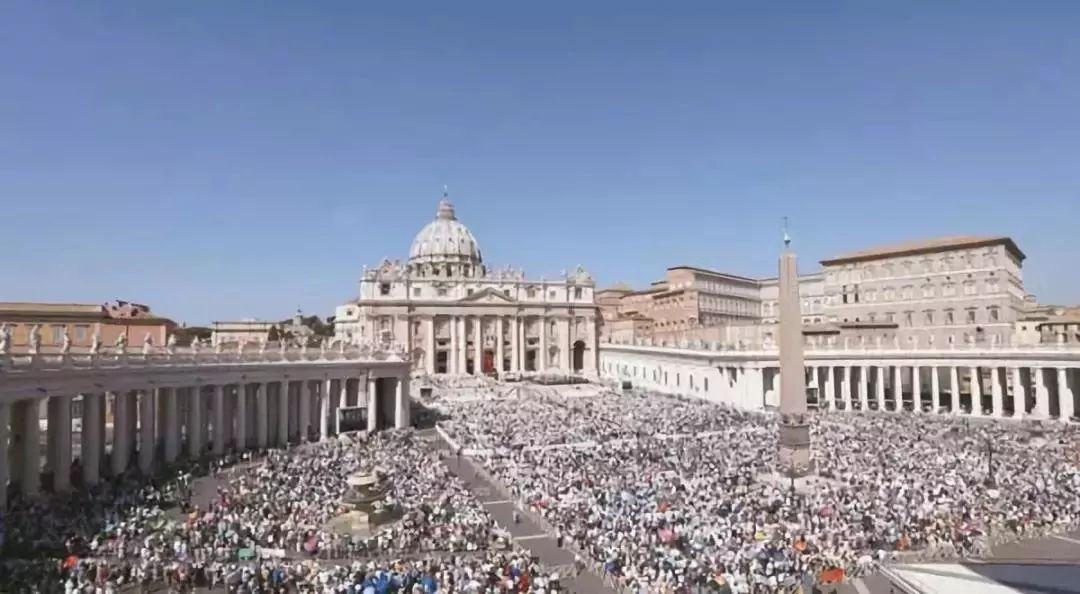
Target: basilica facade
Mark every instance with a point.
(456, 316)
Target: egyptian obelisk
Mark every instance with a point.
(794, 427)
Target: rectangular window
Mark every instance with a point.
(58, 334)
(416, 292)
(993, 315)
(506, 292)
(577, 292)
(948, 318)
(384, 289)
(469, 292)
(81, 332)
(551, 294)
(531, 292)
(441, 292)
(971, 316)
(908, 319)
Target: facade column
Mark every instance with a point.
(241, 417)
(401, 402)
(826, 387)
(195, 426)
(542, 360)
(478, 347)
(954, 386)
(372, 403)
(916, 388)
(882, 377)
(1019, 394)
(29, 426)
(515, 345)
(90, 448)
(935, 389)
(1065, 395)
(219, 419)
(975, 382)
(121, 449)
(343, 396)
(429, 357)
(463, 354)
(262, 416)
(308, 394)
(172, 423)
(147, 417)
(283, 391)
(62, 454)
(567, 358)
(864, 387)
(845, 387)
(5, 433)
(1042, 394)
(815, 382)
(898, 389)
(499, 352)
(324, 410)
(996, 392)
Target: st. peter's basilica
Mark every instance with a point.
(456, 316)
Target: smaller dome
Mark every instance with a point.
(445, 239)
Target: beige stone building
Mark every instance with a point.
(81, 322)
(256, 331)
(941, 291)
(454, 315)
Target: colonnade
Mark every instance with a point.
(144, 428)
(976, 388)
(514, 343)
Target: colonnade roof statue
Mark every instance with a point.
(794, 427)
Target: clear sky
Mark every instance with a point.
(225, 159)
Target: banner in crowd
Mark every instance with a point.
(352, 418)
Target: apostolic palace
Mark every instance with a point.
(455, 315)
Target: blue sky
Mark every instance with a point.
(218, 160)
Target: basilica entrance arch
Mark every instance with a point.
(579, 355)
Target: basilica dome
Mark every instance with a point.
(445, 241)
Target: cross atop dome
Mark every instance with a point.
(446, 208)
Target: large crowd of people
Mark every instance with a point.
(260, 525)
(661, 494)
(675, 492)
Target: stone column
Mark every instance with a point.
(401, 402)
(283, 392)
(372, 404)
(882, 377)
(1019, 394)
(219, 419)
(307, 393)
(935, 389)
(1042, 394)
(172, 422)
(240, 417)
(343, 401)
(30, 463)
(478, 347)
(499, 353)
(864, 388)
(826, 386)
(1065, 395)
(954, 386)
(515, 345)
(996, 392)
(542, 360)
(262, 416)
(916, 388)
(567, 357)
(62, 454)
(90, 448)
(976, 391)
(463, 354)
(5, 432)
(121, 454)
(195, 424)
(324, 410)
(429, 356)
(898, 389)
(845, 387)
(147, 418)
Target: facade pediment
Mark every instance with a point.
(490, 296)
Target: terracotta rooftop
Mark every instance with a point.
(50, 308)
(924, 246)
